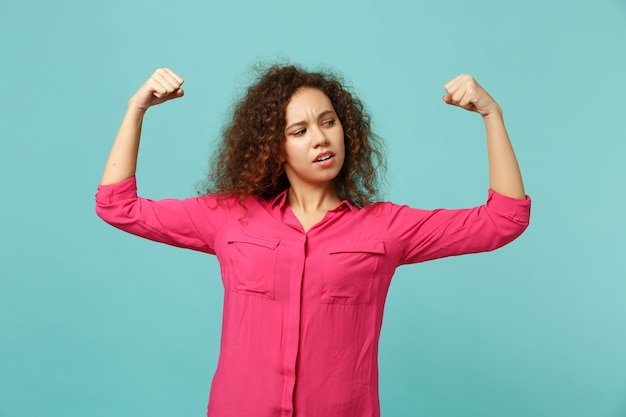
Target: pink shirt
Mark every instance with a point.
(303, 311)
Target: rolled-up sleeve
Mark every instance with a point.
(430, 234)
(189, 223)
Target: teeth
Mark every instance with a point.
(324, 158)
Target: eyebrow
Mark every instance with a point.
(321, 116)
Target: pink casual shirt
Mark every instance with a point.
(303, 311)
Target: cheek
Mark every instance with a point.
(342, 143)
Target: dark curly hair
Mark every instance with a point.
(248, 159)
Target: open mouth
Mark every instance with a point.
(324, 158)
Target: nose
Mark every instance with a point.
(319, 138)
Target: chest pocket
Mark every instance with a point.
(252, 264)
(349, 271)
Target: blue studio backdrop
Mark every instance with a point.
(94, 322)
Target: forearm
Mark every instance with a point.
(122, 161)
(504, 174)
(163, 85)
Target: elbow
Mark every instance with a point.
(117, 214)
(100, 211)
(509, 229)
(508, 218)
(108, 214)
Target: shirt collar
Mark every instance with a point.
(281, 201)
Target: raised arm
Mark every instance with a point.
(163, 85)
(504, 173)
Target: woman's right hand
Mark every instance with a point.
(162, 86)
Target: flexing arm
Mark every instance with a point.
(504, 173)
(163, 85)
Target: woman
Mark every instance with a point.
(306, 256)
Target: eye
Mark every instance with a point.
(329, 123)
(299, 132)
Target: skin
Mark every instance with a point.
(162, 86)
(504, 173)
(309, 132)
(313, 131)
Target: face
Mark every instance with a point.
(313, 151)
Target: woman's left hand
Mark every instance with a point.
(465, 92)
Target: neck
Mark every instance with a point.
(313, 198)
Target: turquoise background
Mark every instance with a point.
(94, 322)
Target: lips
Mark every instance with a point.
(324, 156)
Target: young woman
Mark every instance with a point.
(306, 253)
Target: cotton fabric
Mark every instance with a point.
(303, 311)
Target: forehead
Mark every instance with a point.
(306, 100)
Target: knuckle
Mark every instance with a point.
(468, 79)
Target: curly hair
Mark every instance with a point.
(248, 158)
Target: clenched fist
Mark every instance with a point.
(465, 92)
(163, 85)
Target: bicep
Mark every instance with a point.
(186, 223)
(426, 235)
